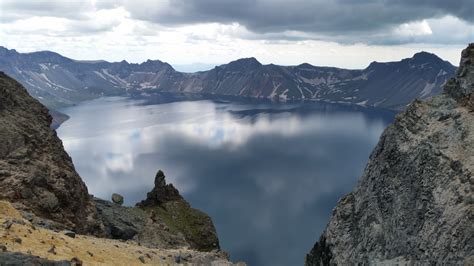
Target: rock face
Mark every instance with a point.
(57, 80)
(39, 178)
(461, 87)
(163, 220)
(414, 202)
(35, 171)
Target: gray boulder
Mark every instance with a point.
(117, 198)
(16, 258)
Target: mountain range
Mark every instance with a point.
(59, 81)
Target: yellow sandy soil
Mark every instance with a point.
(90, 250)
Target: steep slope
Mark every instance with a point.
(35, 171)
(414, 202)
(56, 80)
(395, 84)
(38, 177)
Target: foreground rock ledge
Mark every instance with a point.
(39, 246)
(414, 202)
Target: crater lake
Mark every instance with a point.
(267, 173)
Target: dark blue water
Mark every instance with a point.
(268, 174)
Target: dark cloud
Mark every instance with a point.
(328, 17)
(342, 21)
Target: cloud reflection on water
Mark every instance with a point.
(268, 175)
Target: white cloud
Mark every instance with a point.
(416, 28)
(104, 29)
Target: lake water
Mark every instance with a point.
(268, 174)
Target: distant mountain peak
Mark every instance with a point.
(47, 57)
(305, 65)
(425, 57)
(374, 64)
(4, 51)
(419, 58)
(150, 61)
(156, 64)
(247, 59)
(46, 54)
(249, 63)
(424, 54)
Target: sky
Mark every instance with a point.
(197, 34)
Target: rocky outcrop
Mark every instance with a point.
(461, 87)
(166, 206)
(35, 171)
(38, 177)
(163, 220)
(414, 202)
(161, 193)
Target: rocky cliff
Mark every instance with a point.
(35, 171)
(38, 178)
(57, 80)
(414, 202)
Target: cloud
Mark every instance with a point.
(215, 32)
(342, 21)
(52, 8)
(100, 20)
(447, 30)
(330, 17)
(348, 22)
(91, 22)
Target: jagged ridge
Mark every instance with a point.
(57, 80)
